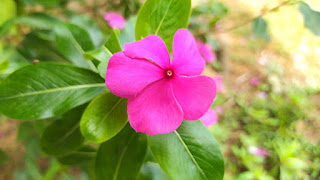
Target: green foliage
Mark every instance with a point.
(7, 10)
(83, 155)
(260, 29)
(61, 87)
(163, 18)
(122, 156)
(105, 116)
(152, 171)
(3, 157)
(190, 152)
(63, 135)
(311, 18)
(34, 20)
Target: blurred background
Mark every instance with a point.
(266, 65)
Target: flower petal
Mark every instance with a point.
(186, 57)
(126, 77)
(152, 48)
(195, 94)
(206, 51)
(209, 118)
(115, 20)
(155, 110)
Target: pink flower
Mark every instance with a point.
(114, 20)
(254, 81)
(219, 83)
(209, 118)
(161, 94)
(219, 109)
(258, 151)
(1, 134)
(206, 51)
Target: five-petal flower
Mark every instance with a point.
(161, 93)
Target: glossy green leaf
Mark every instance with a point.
(152, 171)
(190, 152)
(46, 89)
(260, 29)
(105, 116)
(122, 156)
(163, 18)
(63, 136)
(113, 43)
(89, 25)
(73, 41)
(311, 18)
(83, 155)
(35, 20)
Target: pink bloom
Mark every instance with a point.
(161, 94)
(209, 118)
(114, 20)
(206, 51)
(219, 83)
(219, 109)
(254, 81)
(258, 151)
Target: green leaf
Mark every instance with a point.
(122, 156)
(35, 20)
(163, 18)
(73, 41)
(127, 33)
(190, 152)
(33, 47)
(15, 59)
(105, 116)
(89, 25)
(83, 155)
(102, 54)
(311, 18)
(46, 89)
(102, 68)
(260, 29)
(3, 157)
(7, 10)
(111, 46)
(63, 136)
(152, 171)
(113, 43)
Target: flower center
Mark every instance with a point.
(168, 73)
